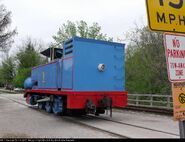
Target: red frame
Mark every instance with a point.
(77, 99)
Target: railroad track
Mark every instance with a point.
(80, 121)
(150, 109)
(123, 123)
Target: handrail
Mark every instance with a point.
(151, 100)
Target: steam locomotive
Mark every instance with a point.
(85, 76)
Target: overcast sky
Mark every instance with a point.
(40, 19)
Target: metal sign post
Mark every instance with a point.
(175, 58)
(168, 16)
(178, 91)
(182, 129)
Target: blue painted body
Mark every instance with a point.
(28, 83)
(46, 75)
(88, 54)
(67, 73)
(78, 70)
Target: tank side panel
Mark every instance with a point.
(46, 76)
(88, 56)
(67, 73)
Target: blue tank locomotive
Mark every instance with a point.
(89, 76)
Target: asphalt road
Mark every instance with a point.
(18, 120)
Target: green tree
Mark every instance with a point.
(7, 71)
(27, 58)
(1, 77)
(5, 34)
(146, 70)
(80, 29)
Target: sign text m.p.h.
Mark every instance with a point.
(166, 15)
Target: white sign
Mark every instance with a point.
(175, 56)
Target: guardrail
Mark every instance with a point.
(151, 101)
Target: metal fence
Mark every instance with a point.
(151, 100)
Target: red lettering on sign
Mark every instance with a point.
(176, 43)
(179, 72)
(175, 53)
(177, 65)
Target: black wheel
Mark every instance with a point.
(97, 114)
(48, 107)
(41, 105)
(58, 107)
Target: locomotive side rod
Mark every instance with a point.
(44, 100)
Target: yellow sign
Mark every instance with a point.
(166, 15)
(178, 90)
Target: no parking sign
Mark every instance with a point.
(175, 56)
